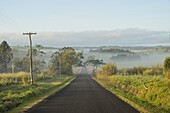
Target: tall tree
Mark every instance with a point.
(5, 56)
(63, 60)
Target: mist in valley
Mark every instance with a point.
(146, 57)
(144, 60)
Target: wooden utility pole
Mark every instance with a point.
(59, 64)
(30, 56)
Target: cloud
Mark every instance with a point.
(91, 38)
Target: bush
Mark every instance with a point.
(109, 69)
(167, 63)
(167, 74)
(167, 67)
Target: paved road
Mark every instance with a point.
(83, 95)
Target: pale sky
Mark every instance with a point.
(86, 22)
(83, 15)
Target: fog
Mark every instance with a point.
(143, 60)
(147, 59)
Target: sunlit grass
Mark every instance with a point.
(155, 98)
(10, 78)
(12, 96)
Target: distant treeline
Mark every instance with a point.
(142, 70)
(27, 47)
(112, 50)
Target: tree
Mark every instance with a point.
(167, 63)
(24, 63)
(5, 56)
(38, 61)
(94, 62)
(167, 67)
(38, 46)
(17, 65)
(14, 59)
(63, 60)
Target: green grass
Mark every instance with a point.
(155, 99)
(18, 97)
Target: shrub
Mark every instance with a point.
(167, 67)
(109, 69)
(167, 63)
(167, 74)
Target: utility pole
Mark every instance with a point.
(30, 56)
(12, 63)
(59, 64)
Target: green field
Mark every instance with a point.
(18, 97)
(146, 93)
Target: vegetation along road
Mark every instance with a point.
(83, 95)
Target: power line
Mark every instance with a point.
(9, 22)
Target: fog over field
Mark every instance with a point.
(144, 60)
(142, 55)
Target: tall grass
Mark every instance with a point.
(21, 78)
(11, 78)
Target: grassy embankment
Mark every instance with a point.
(16, 94)
(131, 89)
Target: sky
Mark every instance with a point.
(83, 20)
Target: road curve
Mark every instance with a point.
(83, 95)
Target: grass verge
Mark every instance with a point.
(129, 89)
(18, 98)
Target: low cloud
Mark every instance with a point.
(91, 38)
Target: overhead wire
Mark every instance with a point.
(8, 23)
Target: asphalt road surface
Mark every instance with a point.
(83, 95)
